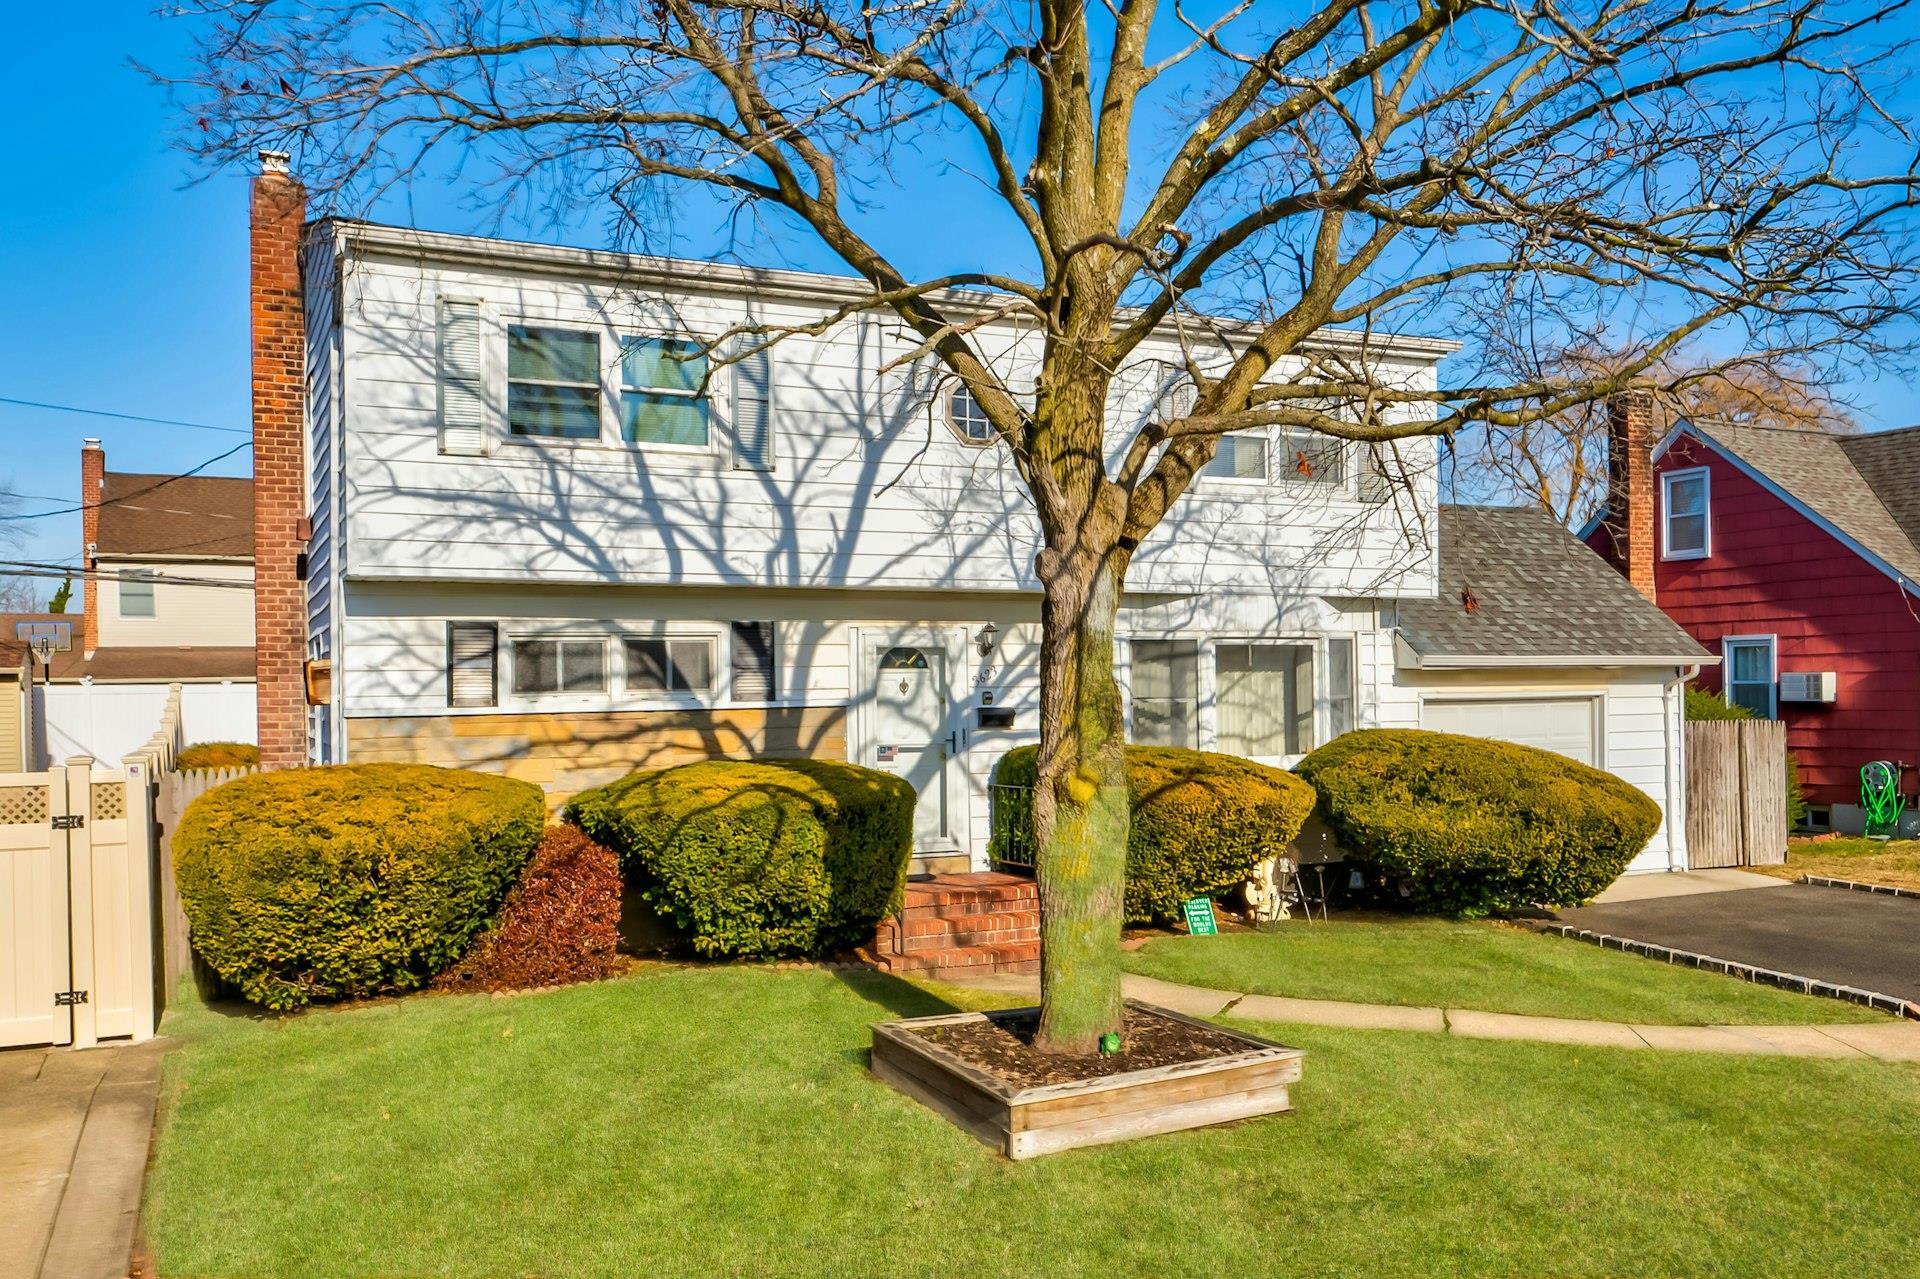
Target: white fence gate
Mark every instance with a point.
(77, 957)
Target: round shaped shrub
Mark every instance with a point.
(216, 755)
(1469, 826)
(1201, 821)
(328, 883)
(761, 857)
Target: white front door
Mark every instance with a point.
(910, 732)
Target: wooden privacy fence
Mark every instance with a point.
(1736, 793)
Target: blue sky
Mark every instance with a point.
(127, 282)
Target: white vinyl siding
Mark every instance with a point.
(462, 378)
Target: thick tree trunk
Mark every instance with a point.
(1080, 808)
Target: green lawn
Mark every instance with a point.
(1491, 967)
(720, 1121)
(1895, 863)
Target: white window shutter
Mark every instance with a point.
(753, 412)
(472, 665)
(463, 399)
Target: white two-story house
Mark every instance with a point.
(544, 543)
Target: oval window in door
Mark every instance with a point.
(903, 659)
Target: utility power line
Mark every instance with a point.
(124, 417)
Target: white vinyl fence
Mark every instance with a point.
(91, 935)
(111, 721)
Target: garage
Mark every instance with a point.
(1566, 725)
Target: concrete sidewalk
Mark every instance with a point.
(1885, 1041)
(74, 1131)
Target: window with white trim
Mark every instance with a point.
(663, 397)
(1165, 678)
(553, 383)
(559, 665)
(1239, 457)
(136, 593)
(1342, 698)
(968, 419)
(1750, 674)
(1263, 699)
(1684, 498)
(1312, 457)
(669, 664)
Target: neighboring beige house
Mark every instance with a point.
(168, 567)
(18, 673)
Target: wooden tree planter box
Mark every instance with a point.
(1022, 1122)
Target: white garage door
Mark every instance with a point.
(1562, 724)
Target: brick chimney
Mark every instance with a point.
(93, 480)
(279, 207)
(1630, 487)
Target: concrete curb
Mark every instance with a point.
(1746, 972)
(1890, 1041)
(1885, 890)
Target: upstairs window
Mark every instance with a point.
(136, 594)
(543, 666)
(1166, 692)
(663, 398)
(968, 419)
(1683, 497)
(1239, 457)
(1310, 457)
(553, 383)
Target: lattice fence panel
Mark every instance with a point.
(23, 805)
(109, 801)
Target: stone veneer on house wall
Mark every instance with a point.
(568, 751)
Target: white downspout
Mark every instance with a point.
(1667, 716)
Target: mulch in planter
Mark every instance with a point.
(1002, 1046)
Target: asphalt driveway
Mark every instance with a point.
(1829, 934)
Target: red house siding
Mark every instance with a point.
(1773, 571)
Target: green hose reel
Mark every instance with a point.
(1881, 798)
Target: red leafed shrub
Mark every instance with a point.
(560, 923)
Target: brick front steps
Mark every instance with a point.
(983, 923)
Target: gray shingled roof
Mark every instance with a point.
(1867, 486)
(1539, 595)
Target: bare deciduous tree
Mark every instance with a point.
(1560, 462)
(1700, 166)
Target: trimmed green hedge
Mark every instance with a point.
(216, 755)
(762, 857)
(1201, 821)
(1470, 826)
(328, 883)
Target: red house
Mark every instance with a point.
(1795, 555)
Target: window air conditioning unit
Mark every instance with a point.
(1808, 686)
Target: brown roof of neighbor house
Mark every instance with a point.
(13, 648)
(154, 665)
(1867, 486)
(191, 515)
(1516, 586)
